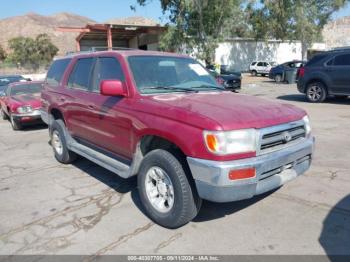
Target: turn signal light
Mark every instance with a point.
(212, 142)
(241, 174)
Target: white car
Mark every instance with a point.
(261, 67)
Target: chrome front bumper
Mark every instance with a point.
(272, 171)
(35, 114)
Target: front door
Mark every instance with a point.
(339, 73)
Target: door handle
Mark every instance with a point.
(62, 99)
(91, 107)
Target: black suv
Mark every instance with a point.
(326, 74)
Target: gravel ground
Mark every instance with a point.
(49, 208)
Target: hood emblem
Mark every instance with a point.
(286, 136)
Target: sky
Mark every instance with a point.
(98, 10)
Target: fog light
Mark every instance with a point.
(241, 174)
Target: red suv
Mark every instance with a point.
(162, 117)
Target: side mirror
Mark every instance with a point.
(112, 88)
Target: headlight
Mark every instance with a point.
(24, 109)
(231, 142)
(307, 125)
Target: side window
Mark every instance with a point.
(107, 68)
(260, 64)
(330, 62)
(342, 60)
(56, 71)
(81, 74)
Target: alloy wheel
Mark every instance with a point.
(159, 189)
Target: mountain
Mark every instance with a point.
(32, 24)
(337, 33)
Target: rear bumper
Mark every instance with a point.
(272, 171)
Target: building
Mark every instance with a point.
(122, 34)
(238, 53)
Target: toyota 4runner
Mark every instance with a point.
(163, 117)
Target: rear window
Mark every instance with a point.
(56, 71)
(316, 59)
(342, 60)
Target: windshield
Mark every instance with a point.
(162, 74)
(4, 81)
(25, 89)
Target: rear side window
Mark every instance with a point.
(56, 71)
(342, 60)
(107, 68)
(81, 74)
(260, 64)
(316, 59)
(253, 63)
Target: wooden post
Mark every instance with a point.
(77, 45)
(109, 38)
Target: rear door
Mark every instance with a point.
(260, 67)
(338, 70)
(77, 96)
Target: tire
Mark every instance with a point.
(254, 73)
(15, 124)
(316, 92)
(3, 114)
(180, 202)
(263, 75)
(278, 78)
(59, 143)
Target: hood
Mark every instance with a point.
(221, 110)
(32, 100)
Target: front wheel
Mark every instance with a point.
(254, 73)
(167, 194)
(3, 114)
(316, 92)
(15, 124)
(278, 78)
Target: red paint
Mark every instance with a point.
(10, 103)
(118, 123)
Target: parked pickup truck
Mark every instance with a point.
(163, 117)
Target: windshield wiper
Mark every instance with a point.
(171, 88)
(210, 86)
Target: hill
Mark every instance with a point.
(32, 24)
(337, 33)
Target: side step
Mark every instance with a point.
(107, 162)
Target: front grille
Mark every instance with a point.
(280, 169)
(281, 138)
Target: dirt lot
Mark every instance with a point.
(49, 208)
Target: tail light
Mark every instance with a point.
(301, 72)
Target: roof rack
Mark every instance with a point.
(340, 49)
(99, 49)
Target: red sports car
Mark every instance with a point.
(20, 102)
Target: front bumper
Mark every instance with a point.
(272, 171)
(28, 117)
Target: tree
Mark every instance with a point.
(32, 53)
(2, 54)
(291, 19)
(200, 24)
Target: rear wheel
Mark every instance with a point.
(316, 92)
(16, 125)
(59, 143)
(166, 191)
